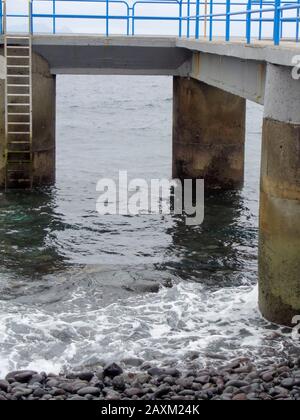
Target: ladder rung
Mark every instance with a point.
(17, 104)
(17, 151)
(17, 37)
(17, 66)
(19, 142)
(16, 85)
(18, 132)
(18, 75)
(23, 47)
(18, 113)
(18, 56)
(18, 94)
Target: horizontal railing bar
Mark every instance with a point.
(257, 11)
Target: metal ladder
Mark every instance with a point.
(18, 110)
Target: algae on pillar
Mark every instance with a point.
(208, 134)
(279, 253)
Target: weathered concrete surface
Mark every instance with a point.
(208, 134)
(44, 114)
(233, 66)
(2, 118)
(43, 142)
(239, 77)
(279, 249)
(264, 51)
(114, 55)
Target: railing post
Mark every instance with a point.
(133, 20)
(297, 23)
(180, 18)
(248, 21)
(188, 23)
(277, 21)
(197, 31)
(211, 21)
(1, 17)
(227, 20)
(107, 18)
(54, 19)
(260, 20)
(4, 11)
(30, 17)
(128, 20)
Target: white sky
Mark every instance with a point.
(44, 25)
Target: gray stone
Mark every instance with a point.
(4, 385)
(155, 371)
(112, 370)
(237, 384)
(119, 383)
(186, 392)
(21, 376)
(186, 383)
(90, 390)
(161, 391)
(130, 392)
(239, 397)
(57, 392)
(86, 376)
(288, 383)
(21, 392)
(77, 386)
(169, 380)
(172, 372)
(39, 392)
(52, 383)
(268, 376)
(203, 379)
(68, 387)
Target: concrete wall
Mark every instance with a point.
(43, 142)
(208, 134)
(279, 253)
(234, 75)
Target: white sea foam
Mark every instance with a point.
(158, 327)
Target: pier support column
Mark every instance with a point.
(2, 117)
(279, 253)
(208, 134)
(43, 112)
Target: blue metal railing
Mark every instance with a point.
(193, 18)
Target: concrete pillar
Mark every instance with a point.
(44, 113)
(279, 253)
(208, 134)
(2, 117)
(43, 142)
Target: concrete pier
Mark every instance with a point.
(212, 81)
(208, 134)
(279, 254)
(43, 108)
